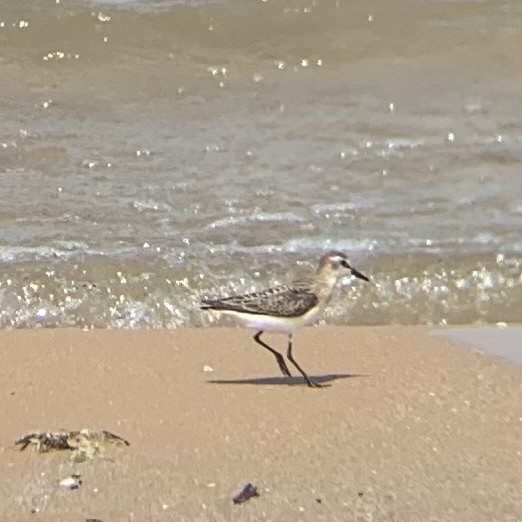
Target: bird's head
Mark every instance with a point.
(335, 265)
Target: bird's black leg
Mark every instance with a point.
(279, 358)
(310, 383)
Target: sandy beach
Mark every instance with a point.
(413, 427)
(158, 153)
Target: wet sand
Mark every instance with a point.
(503, 342)
(412, 427)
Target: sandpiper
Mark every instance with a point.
(286, 308)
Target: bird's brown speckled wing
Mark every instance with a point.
(291, 300)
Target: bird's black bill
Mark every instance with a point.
(358, 274)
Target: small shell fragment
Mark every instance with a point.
(248, 492)
(71, 483)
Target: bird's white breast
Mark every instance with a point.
(269, 323)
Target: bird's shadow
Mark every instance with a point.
(287, 381)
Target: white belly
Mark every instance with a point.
(269, 323)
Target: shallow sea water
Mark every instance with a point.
(152, 153)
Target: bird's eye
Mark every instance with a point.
(336, 264)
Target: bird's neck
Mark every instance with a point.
(324, 283)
